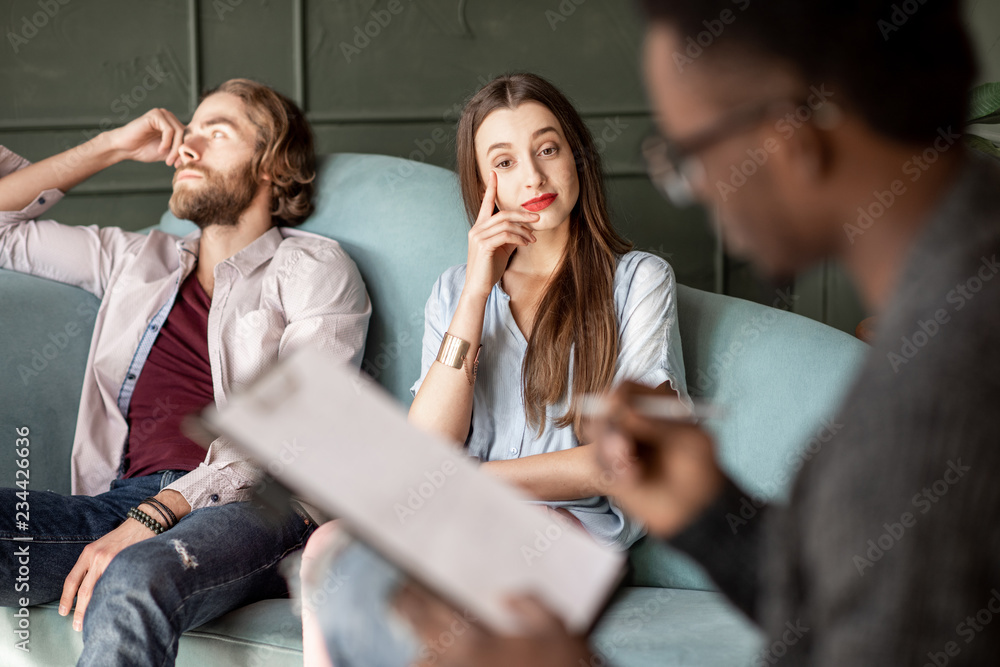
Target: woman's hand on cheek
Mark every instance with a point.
(493, 239)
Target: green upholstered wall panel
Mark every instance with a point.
(376, 76)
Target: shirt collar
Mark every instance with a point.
(258, 251)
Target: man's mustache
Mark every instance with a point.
(198, 168)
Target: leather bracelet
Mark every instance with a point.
(146, 520)
(161, 507)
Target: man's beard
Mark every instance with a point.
(219, 200)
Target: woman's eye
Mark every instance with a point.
(503, 164)
(551, 150)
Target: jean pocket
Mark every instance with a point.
(168, 477)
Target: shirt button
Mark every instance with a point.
(41, 200)
(513, 450)
(153, 327)
(131, 376)
(215, 497)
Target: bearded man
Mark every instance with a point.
(159, 538)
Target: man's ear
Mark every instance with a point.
(805, 156)
(821, 151)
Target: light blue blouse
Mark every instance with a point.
(650, 353)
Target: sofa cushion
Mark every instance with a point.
(643, 627)
(664, 627)
(263, 634)
(45, 327)
(780, 378)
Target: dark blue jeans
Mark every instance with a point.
(214, 560)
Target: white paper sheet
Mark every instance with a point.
(340, 442)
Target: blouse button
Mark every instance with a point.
(215, 497)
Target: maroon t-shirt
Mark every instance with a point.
(175, 381)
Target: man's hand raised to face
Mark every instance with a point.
(664, 472)
(153, 137)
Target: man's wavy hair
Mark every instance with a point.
(284, 149)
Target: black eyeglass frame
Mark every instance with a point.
(671, 165)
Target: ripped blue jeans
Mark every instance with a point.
(214, 560)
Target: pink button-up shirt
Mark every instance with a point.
(285, 289)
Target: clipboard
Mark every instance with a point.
(336, 439)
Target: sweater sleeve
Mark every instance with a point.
(727, 540)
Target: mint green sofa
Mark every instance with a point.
(779, 375)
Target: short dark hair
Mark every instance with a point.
(904, 66)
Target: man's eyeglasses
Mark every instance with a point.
(674, 167)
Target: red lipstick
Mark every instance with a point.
(540, 203)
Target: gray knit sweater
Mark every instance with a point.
(888, 552)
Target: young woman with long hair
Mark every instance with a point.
(561, 307)
(559, 302)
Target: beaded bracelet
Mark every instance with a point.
(166, 521)
(146, 520)
(168, 516)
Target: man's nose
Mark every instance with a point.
(189, 152)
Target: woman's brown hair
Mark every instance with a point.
(577, 311)
(284, 148)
